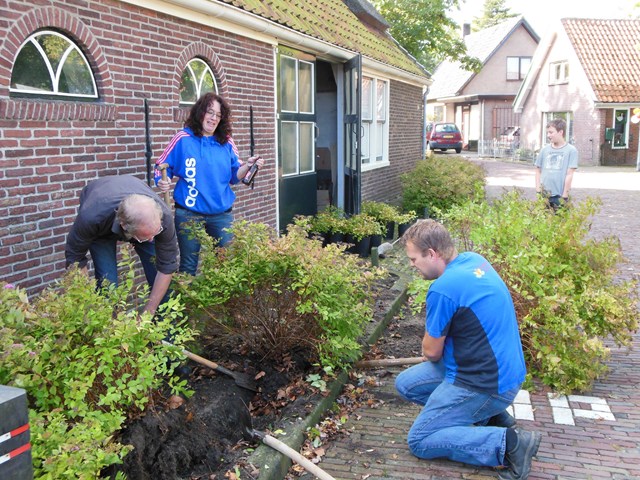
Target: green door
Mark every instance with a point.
(296, 135)
(352, 134)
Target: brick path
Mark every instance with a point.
(591, 448)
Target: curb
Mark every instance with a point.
(272, 464)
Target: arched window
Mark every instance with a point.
(197, 79)
(49, 64)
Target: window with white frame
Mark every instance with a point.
(197, 79)
(620, 128)
(49, 64)
(558, 72)
(517, 67)
(566, 116)
(375, 122)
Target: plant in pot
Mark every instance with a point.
(384, 213)
(405, 220)
(360, 228)
(330, 223)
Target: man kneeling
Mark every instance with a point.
(474, 365)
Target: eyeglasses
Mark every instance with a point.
(148, 239)
(212, 113)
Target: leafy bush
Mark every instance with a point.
(362, 225)
(330, 220)
(439, 183)
(87, 363)
(561, 280)
(382, 212)
(282, 293)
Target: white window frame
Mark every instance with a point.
(373, 128)
(54, 74)
(199, 80)
(559, 72)
(627, 116)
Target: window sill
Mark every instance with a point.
(374, 166)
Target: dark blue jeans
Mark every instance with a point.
(105, 264)
(215, 226)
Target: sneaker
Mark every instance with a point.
(503, 419)
(518, 460)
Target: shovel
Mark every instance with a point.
(389, 362)
(242, 380)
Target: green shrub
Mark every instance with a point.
(330, 220)
(563, 284)
(440, 182)
(382, 212)
(362, 225)
(87, 363)
(279, 294)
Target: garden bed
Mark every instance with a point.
(203, 437)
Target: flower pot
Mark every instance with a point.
(363, 247)
(336, 237)
(390, 229)
(403, 227)
(376, 241)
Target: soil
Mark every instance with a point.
(204, 437)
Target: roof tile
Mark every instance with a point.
(609, 51)
(333, 22)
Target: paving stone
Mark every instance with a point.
(590, 444)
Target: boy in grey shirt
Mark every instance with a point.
(555, 165)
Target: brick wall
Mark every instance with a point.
(405, 144)
(49, 150)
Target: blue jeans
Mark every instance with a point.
(214, 225)
(105, 263)
(446, 426)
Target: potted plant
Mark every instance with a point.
(384, 213)
(330, 223)
(360, 228)
(405, 220)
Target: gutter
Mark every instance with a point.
(210, 12)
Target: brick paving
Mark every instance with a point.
(591, 448)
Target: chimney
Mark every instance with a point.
(466, 29)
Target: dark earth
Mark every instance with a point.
(205, 436)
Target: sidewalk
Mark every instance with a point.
(591, 436)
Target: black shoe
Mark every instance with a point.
(503, 419)
(517, 460)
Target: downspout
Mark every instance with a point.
(424, 122)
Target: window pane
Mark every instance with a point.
(525, 63)
(289, 139)
(49, 63)
(75, 77)
(381, 100)
(305, 87)
(288, 84)
(54, 48)
(620, 128)
(366, 140)
(513, 68)
(208, 83)
(379, 141)
(366, 98)
(188, 87)
(30, 71)
(306, 147)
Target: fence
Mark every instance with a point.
(514, 149)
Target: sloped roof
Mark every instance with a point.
(449, 79)
(609, 52)
(332, 21)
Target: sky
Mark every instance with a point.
(542, 14)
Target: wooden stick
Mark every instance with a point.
(389, 362)
(167, 195)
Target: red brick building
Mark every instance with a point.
(94, 88)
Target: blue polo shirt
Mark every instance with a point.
(471, 305)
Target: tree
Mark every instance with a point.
(423, 28)
(493, 13)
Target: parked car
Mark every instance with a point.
(443, 136)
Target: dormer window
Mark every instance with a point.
(558, 72)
